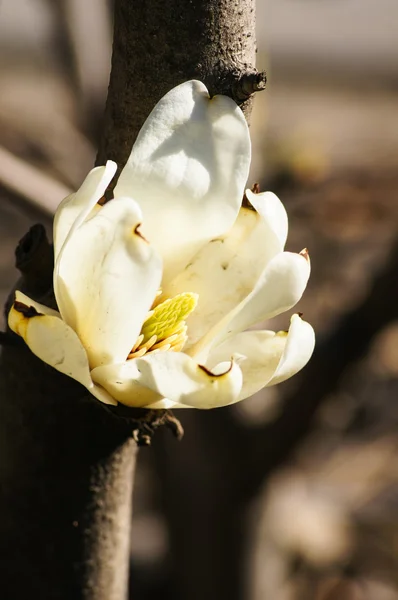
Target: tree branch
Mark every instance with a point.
(163, 43)
(67, 464)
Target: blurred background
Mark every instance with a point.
(293, 494)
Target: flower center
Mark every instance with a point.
(164, 327)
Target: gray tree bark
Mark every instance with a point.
(161, 43)
(66, 463)
(66, 472)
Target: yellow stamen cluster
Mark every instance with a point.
(164, 327)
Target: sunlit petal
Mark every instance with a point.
(105, 281)
(179, 378)
(53, 341)
(187, 170)
(74, 209)
(120, 380)
(227, 269)
(274, 215)
(278, 289)
(265, 357)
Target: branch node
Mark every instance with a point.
(249, 83)
(144, 429)
(174, 425)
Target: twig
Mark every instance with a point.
(248, 84)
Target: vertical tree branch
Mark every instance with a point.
(161, 43)
(66, 471)
(66, 465)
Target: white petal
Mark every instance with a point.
(165, 404)
(187, 170)
(54, 342)
(271, 209)
(300, 345)
(170, 379)
(40, 308)
(179, 378)
(105, 280)
(278, 289)
(266, 357)
(227, 269)
(120, 380)
(74, 209)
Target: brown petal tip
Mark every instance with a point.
(26, 311)
(138, 232)
(211, 374)
(305, 254)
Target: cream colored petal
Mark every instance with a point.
(278, 289)
(273, 213)
(166, 404)
(120, 380)
(74, 209)
(170, 380)
(54, 342)
(179, 378)
(40, 308)
(105, 281)
(300, 344)
(265, 357)
(227, 269)
(187, 170)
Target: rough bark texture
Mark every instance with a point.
(66, 471)
(158, 45)
(161, 43)
(66, 464)
(66, 474)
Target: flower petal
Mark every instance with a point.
(300, 344)
(105, 280)
(227, 269)
(181, 379)
(170, 379)
(120, 380)
(273, 213)
(53, 341)
(189, 164)
(40, 308)
(166, 404)
(74, 209)
(278, 289)
(268, 358)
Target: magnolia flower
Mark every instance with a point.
(156, 289)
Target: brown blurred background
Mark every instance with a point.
(293, 494)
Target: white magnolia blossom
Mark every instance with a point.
(157, 288)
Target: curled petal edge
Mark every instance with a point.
(53, 341)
